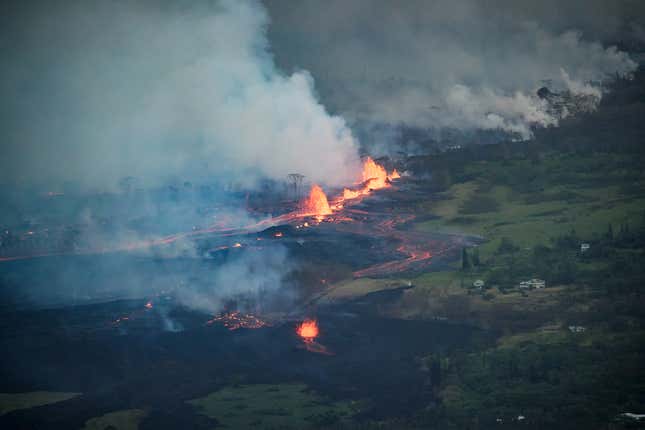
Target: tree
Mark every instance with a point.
(476, 257)
(610, 232)
(465, 260)
(507, 246)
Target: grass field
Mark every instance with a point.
(14, 401)
(263, 406)
(580, 198)
(127, 419)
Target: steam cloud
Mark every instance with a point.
(252, 279)
(160, 91)
(460, 65)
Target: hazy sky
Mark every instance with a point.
(96, 90)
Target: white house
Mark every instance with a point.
(479, 284)
(584, 247)
(532, 283)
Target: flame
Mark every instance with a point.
(350, 194)
(374, 177)
(308, 330)
(374, 174)
(316, 203)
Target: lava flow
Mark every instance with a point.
(236, 320)
(373, 175)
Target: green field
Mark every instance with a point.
(14, 401)
(127, 419)
(544, 201)
(264, 406)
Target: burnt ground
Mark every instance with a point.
(138, 364)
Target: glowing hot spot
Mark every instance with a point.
(308, 330)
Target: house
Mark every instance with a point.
(479, 284)
(532, 284)
(577, 329)
(630, 417)
(584, 247)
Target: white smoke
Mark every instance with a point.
(161, 91)
(251, 279)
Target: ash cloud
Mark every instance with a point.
(454, 65)
(96, 91)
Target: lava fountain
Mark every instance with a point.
(374, 175)
(308, 330)
(316, 203)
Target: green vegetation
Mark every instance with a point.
(14, 401)
(273, 406)
(538, 201)
(568, 353)
(127, 419)
(359, 287)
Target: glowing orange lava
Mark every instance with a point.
(350, 194)
(308, 330)
(236, 320)
(374, 174)
(316, 203)
(374, 177)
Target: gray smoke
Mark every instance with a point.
(454, 64)
(250, 280)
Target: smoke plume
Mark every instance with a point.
(96, 91)
(458, 65)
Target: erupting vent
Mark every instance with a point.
(374, 175)
(308, 330)
(316, 203)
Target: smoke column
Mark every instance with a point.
(96, 91)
